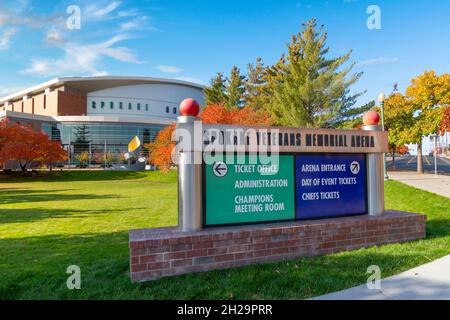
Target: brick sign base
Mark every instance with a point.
(162, 252)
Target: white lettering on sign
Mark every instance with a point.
(333, 167)
(329, 195)
(244, 168)
(329, 181)
(310, 196)
(310, 168)
(254, 198)
(277, 183)
(346, 181)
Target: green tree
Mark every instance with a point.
(256, 90)
(235, 89)
(82, 134)
(215, 93)
(310, 90)
(429, 96)
(351, 117)
(398, 117)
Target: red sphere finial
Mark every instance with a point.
(371, 118)
(189, 107)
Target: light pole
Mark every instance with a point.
(381, 98)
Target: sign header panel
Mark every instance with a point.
(249, 192)
(330, 185)
(292, 140)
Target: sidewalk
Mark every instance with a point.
(438, 184)
(426, 282)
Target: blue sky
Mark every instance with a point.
(193, 40)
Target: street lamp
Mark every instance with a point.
(381, 98)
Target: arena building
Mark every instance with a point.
(99, 115)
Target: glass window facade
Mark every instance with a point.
(99, 139)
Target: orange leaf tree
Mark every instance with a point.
(160, 151)
(402, 149)
(23, 144)
(445, 123)
(52, 152)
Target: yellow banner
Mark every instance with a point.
(134, 144)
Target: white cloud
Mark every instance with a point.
(378, 60)
(54, 36)
(138, 23)
(80, 59)
(169, 69)
(104, 11)
(128, 13)
(5, 38)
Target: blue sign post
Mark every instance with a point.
(330, 185)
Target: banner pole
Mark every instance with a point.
(189, 170)
(375, 170)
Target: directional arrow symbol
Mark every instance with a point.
(354, 167)
(220, 169)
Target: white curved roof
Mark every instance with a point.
(89, 84)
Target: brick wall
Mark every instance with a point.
(71, 104)
(156, 253)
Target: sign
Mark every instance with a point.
(291, 140)
(329, 185)
(249, 192)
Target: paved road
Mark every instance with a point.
(435, 183)
(428, 281)
(409, 163)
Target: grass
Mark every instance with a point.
(83, 218)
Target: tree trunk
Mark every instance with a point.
(419, 158)
(24, 166)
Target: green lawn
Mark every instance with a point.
(83, 218)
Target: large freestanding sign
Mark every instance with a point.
(235, 175)
(239, 175)
(301, 186)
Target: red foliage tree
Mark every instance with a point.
(52, 152)
(402, 149)
(445, 124)
(160, 150)
(23, 144)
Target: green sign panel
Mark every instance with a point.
(249, 192)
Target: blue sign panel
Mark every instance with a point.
(330, 185)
